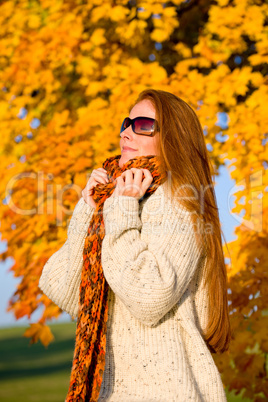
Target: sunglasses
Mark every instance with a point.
(141, 125)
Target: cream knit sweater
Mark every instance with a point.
(157, 302)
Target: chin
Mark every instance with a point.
(124, 159)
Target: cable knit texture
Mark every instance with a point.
(157, 301)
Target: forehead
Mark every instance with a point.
(143, 108)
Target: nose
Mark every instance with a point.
(127, 132)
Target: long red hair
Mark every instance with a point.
(183, 153)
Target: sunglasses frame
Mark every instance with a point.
(132, 124)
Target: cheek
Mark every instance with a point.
(148, 144)
(152, 146)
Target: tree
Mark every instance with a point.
(76, 66)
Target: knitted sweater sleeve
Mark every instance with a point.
(148, 267)
(61, 275)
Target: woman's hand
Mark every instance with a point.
(97, 176)
(130, 183)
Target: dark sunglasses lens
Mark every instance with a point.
(125, 124)
(144, 126)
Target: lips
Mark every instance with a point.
(129, 149)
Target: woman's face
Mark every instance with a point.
(142, 145)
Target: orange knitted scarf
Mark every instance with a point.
(89, 354)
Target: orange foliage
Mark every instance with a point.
(77, 67)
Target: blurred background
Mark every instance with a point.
(69, 71)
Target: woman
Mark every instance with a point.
(143, 267)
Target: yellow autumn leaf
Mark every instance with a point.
(33, 332)
(159, 35)
(98, 38)
(118, 13)
(34, 21)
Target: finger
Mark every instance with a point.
(148, 175)
(119, 180)
(103, 180)
(127, 175)
(148, 179)
(133, 182)
(100, 173)
(129, 170)
(137, 176)
(104, 177)
(101, 177)
(103, 171)
(91, 182)
(130, 173)
(119, 185)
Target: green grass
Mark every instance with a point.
(33, 373)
